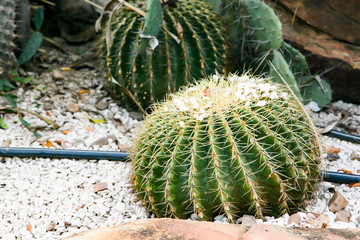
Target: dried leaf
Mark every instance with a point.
(48, 114)
(66, 69)
(89, 129)
(49, 144)
(80, 207)
(328, 128)
(152, 25)
(66, 132)
(97, 121)
(29, 227)
(357, 184)
(345, 171)
(83, 91)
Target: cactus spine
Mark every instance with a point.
(227, 145)
(153, 74)
(7, 28)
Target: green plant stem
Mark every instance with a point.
(17, 110)
(48, 121)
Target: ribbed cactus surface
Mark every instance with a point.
(7, 28)
(227, 145)
(150, 76)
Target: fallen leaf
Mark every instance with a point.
(29, 227)
(80, 207)
(48, 114)
(97, 121)
(66, 132)
(345, 171)
(207, 93)
(328, 128)
(89, 129)
(49, 144)
(357, 184)
(65, 69)
(83, 91)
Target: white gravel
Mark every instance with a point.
(53, 198)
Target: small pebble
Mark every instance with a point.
(332, 156)
(101, 105)
(99, 142)
(72, 107)
(343, 216)
(100, 187)
(136, 115)
(58, 75)
(337, 202)
(333, 150)
(248, 220)
(294, 219)
(124, 147)
(320, 222)
(51, 226)
(354, 156)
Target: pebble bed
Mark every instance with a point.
(43, 198)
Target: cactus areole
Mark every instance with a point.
(227, 145)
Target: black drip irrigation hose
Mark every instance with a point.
(64, 153)
(339, 177)
(343, 136)
(329, 176)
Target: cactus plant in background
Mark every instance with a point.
(256, 39)
(149, 76)
(227, 145)
(7, 28)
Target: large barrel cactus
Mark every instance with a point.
(153, 74)
(227, 145)
(7, 28)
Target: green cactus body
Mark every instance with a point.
(265, 28)
(255, 32)
(153, 74)
(314, 88)
(280, 72)
(7, 28)
(227, 145)
(295, 59)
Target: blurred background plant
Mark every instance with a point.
(254, 42)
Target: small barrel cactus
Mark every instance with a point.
(151, 75)
(7, 36)
(227, 145)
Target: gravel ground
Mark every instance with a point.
(44, 198)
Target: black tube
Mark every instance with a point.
(339, 177)
(64, 153)
(343, 136)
